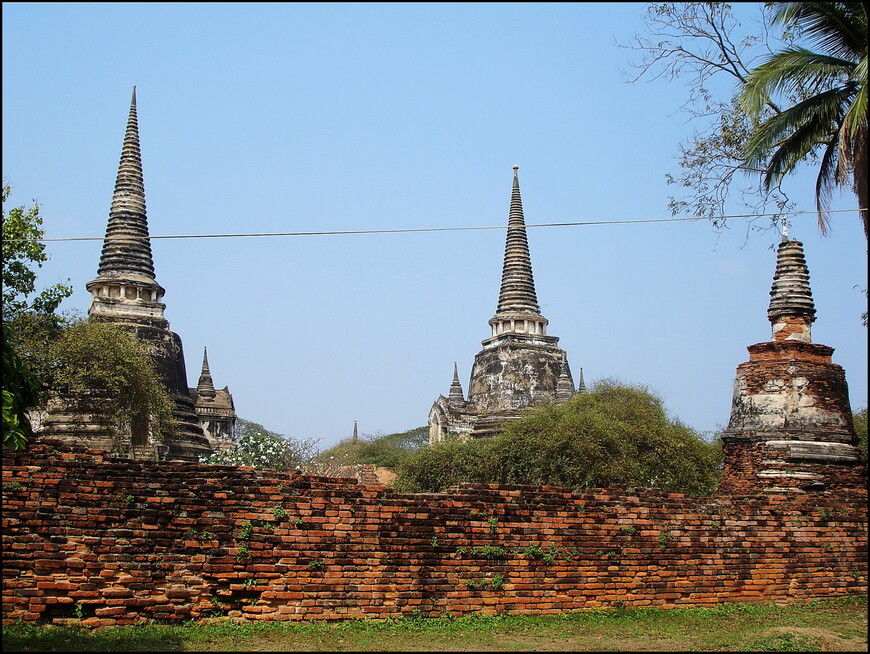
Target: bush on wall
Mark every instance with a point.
(615, 435)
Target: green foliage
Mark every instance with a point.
(246, 530)
(99, 367)
(723, 627)
(491, 552)
(110, 375)
(265, 450)
(613, 435)
(20, 392)
(279, 512)
(826, 90)
(445, 464)
(703, 45)
(247, 428)
(22, 253)
(387, 451)
(859, 419)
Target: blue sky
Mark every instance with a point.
(285, 117)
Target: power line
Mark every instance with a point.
(438, 229)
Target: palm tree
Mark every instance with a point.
(829, 119)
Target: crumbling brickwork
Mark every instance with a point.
(124, 541)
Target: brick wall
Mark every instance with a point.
(118, 542)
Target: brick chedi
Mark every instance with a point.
(520, 365)
(215, 409)
(126, 292)
(791, 423)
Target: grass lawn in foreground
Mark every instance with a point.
(817, 626)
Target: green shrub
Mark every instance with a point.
(615, 435)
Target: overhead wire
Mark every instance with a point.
(437, 229)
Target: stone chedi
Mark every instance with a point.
(215, 409)
(126, 292)
(520, 365)
(791, 424)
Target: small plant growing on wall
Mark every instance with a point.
(315, 564)
(493, 552)
(496, 583)
(493, 521)
(279, 512)
(551, 555)
(665, 537)
(533, 551)
(245, 531)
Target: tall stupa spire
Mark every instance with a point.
(791, 311)
(126, 286)
(518, 310)
(517, 293)
(519, 365)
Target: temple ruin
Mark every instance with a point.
(125, 292)
(520, 365)
(791, 426)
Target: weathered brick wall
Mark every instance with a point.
(117, 542)
(745, 462)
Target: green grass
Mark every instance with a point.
(830, 625)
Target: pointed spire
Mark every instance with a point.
(564, 387)
(355, 437)
(517, 293)
(127, 249)
(456, 397)
(581, 387)
(125, 287)
(205, 387)
(791, 310)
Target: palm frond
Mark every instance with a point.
(790, 70)
(826, 181)
(839, 28)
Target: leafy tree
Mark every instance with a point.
(707, 47)
(102, 370)
(247, 428)
(20, 392)
(264, 450)
(259, 447)
(613, 435)
(22, 253)
(831, 114)
(704, 44)
(386, 451)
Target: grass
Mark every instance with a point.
(817, 626)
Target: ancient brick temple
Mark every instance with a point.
(215, 409)
(791, 423)
(520, 365)
(126, 292)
